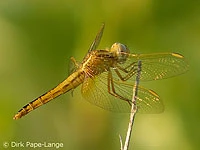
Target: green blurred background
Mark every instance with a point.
(38, 37)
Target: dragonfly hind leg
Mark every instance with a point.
(111, 89)
(75, 63)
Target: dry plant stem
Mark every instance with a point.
(133, 110)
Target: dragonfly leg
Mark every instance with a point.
(130, 67)
(111, 89)
(74, 62)
(127, 76)
(130, 70)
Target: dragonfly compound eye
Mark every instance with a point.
(120, 51)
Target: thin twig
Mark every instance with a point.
(121, 143)
(133, 109)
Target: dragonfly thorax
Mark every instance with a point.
(120, 51)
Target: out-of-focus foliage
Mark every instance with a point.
(38, 37)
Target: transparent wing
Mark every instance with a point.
(154, 66)
(95, 90)
(97, 39)
(148, 101)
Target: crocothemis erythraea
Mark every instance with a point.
(107, 78)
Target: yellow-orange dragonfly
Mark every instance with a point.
(107, 77)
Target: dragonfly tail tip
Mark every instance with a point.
(16, 117)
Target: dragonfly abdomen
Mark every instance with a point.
(74, 80)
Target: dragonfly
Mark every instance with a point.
(107, 76)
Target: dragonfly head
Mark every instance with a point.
(120, 51)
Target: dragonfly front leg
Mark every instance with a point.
(111, 89)
(129, 73)
(131, 66)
